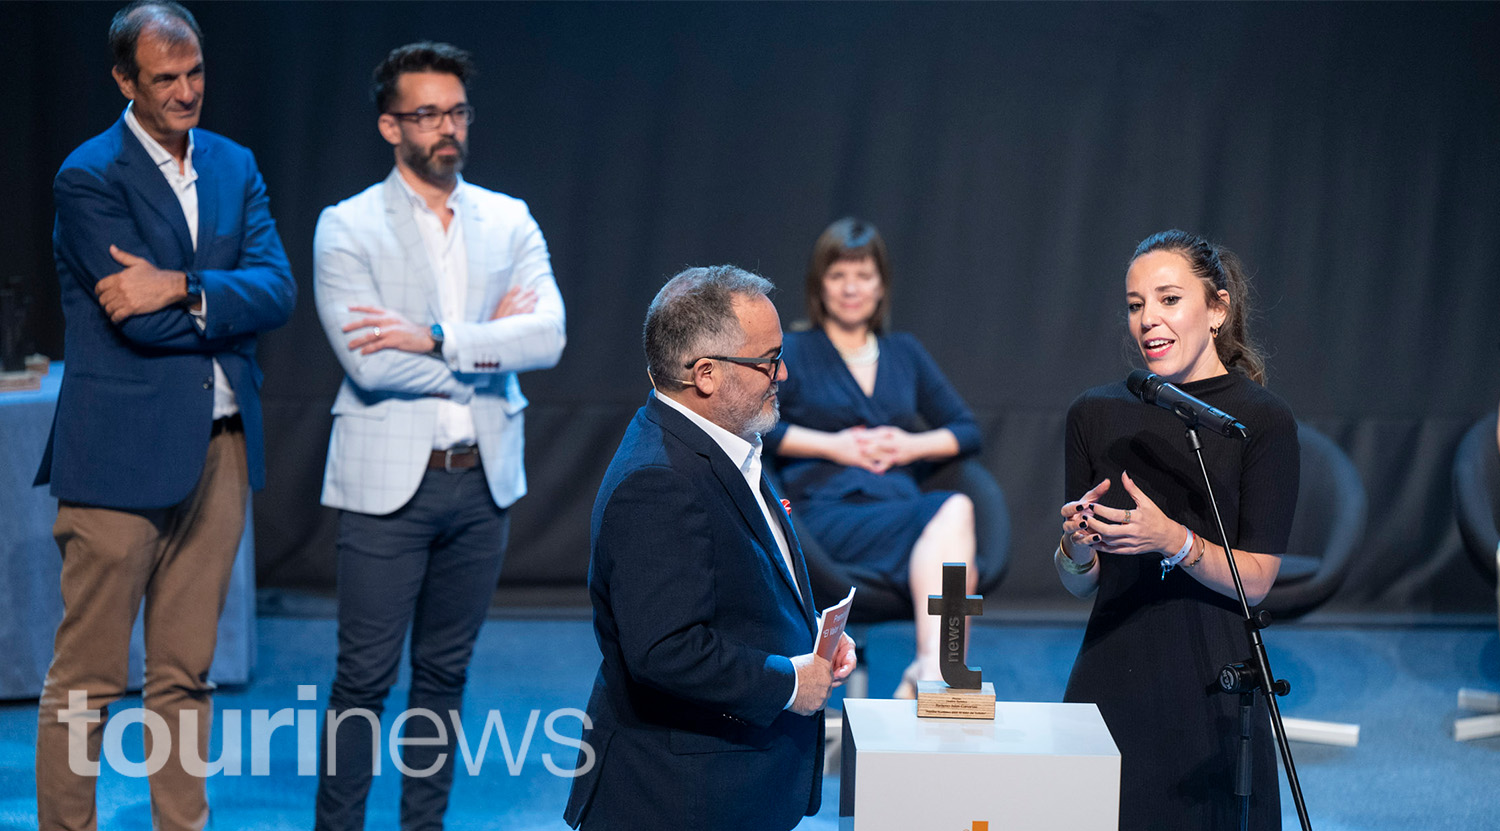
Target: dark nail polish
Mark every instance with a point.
(1097, 538)
(1083, 524)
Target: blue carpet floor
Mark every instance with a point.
(1398, 683)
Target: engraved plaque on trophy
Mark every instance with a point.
(962, 693)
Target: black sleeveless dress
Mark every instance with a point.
(1153, 648)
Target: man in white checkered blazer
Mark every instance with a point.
(434, 293)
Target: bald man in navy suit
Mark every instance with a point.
(707, 709)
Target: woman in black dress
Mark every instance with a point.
(1140, 536)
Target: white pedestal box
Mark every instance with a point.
(1036, 767)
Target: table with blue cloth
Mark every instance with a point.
(31, 567)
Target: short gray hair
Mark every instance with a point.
(693, 315)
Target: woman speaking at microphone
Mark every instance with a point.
(1139, 534)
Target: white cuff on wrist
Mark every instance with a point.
(1169, 563)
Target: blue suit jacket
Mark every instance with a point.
(136, 407)
(695, 616)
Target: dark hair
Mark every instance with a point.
(168, 20)
(425, 56)
(847, 239)
(693, 315)
(1220, 270)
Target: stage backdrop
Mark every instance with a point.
(1012, 153)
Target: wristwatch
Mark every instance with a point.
(193, 285)
(437, 339)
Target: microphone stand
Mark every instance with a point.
(1253, 674)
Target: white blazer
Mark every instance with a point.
(367, 251)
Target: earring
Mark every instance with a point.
(1213, 330)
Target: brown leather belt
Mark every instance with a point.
(462, 457)
(229, 423)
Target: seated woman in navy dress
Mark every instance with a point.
(859, 408)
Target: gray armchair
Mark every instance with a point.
(1329, 525)
(1476, 503)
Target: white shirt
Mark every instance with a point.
(448, 256)
(183, 180)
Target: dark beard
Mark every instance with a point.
(439, 172)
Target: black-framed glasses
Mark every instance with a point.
(430, 118)
(774, 361)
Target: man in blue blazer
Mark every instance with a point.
(706, 712)
(170, 266)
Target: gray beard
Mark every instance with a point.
(762, 422)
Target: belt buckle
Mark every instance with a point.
(463, 450)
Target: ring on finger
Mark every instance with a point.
(1127, 513)
(377, 331)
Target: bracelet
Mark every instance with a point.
(1067, 562)
(1202, 549)
(1169, 563)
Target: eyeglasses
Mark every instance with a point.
(428, 119)
(774, 361)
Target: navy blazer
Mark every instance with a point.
(136, 406)
(696, 616)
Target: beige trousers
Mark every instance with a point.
(179, 560)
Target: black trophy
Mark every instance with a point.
(13, 303)
(962, 693)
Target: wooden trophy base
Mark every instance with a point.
(936, 699)
(19, 381)
(29, 378)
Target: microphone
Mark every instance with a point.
(1153, 389)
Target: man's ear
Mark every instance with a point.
(705, 377)
(390, 128)
(126, 83)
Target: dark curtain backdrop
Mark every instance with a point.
(1012, 153)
